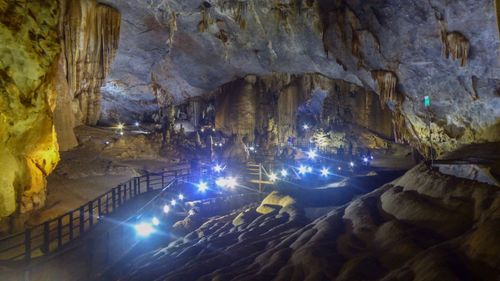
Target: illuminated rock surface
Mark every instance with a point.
(422, 226)
(28, 145)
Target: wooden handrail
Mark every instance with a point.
(85, 215)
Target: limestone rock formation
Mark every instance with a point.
(91, 33)
(28, 64)
(422, 226)
(402, 50)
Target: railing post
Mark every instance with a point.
(27, 246)
(59, 232)
(113, 198)
(91, 213)
(138, 185)
(46, 237)
(119, 188)
(148, 186)
(129, 189)
(99, 208)
(135, 186)
(162, 179)
(82, 221)
(107, 203)
(71, 226)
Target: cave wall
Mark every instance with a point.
(28, 144)
(269, 108)
(54, 57)
(402, 50)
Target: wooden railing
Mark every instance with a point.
(53, 234)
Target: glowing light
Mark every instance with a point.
(312, 154)
(173, 202)
(137, 124)
(121, 133)
(302, 170)
(325, 172)
(181, 197)
(231, 182)
(351, 164)
(213, 129)
(284, 173)
(251, 148)
(305, 126)
(155, 221)
(107, 142)
(309, 169)
(365, 159)
(371, 157)
(144, 229)
(218, 168)
(120, 126)
(222, 182)
(340, 168)
(166, 209)
(273, 177)
(202, 186)
(202, 130)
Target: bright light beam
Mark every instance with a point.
(202, 186)
(273, 177)
(325, 172)
(312, 154)
(155, 221)
(166, 209)
(144, 229)
(302, 170)
(173, 202)
(284, 173)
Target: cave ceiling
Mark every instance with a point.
(447, 50)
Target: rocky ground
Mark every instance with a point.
(103, 160)
(421, 226)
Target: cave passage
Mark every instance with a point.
(249, 140)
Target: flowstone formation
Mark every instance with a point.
(28, 145)
(422, 226)
(401, 50)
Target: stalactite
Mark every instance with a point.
(456, 45)
(91, 36)
(206, 19)
(386, 82)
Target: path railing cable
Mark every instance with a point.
(53, 234)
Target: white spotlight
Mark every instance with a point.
(166, 209)
(309, 169)
(325, 172)
(365, 159)
(218, 168)
(305, 126)
(312, 154)
(302, 170)
(173, 202)
(144, 229)
(121, 133)
(340, 168)
(155, 221)
(231, 182)
(221, 182)
(351, 164)
(181, 197)
(284, 173)
(137, 124)
(202, 186)
(273, 177)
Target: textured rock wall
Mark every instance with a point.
(403, 50)
(28, 146)
(271, 106)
